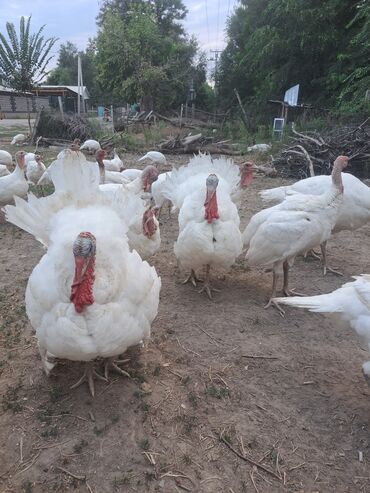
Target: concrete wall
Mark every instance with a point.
(14, 105)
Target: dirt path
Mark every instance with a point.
(287, 393)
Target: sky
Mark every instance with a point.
(74, 20)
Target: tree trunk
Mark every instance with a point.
(29, 115)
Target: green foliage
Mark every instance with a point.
(66, 71)
(274, 44)
(142, 54)
(23, 59)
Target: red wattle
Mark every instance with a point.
(246, 179)
(149, 226)
(82, 285)
(146, 185)
(210, 207)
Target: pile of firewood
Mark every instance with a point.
(312, 154)
(192, 144)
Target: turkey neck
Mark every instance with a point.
(336, 178)
(101, 171)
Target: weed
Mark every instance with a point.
(26, 487)
(51, 432)
(122, 480)
(218, 392)
(193, 399)
(186, 459)
(11, 399)
(79, 446)
(144, 444)
(55, 394)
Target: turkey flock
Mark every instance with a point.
(93, 294)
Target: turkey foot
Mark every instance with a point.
(207, 285)
(292, 292)
(208, 289)
(325, 267)
(88, 376)
(192, 277)
(274, 303)
(312, 254)
(112, 364)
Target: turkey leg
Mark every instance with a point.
(324, 261)
(192, 277)
(272, 302)
(207, 285)
(88, 376)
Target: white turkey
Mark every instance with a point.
(35, 169)
(354, 211)
(158, 192)
(46, 177)
(131, 174)
(89, 297)
(259, 148)
(155, 157)
(141, 185)
(114, 164)
(30, 156)
(75, 146)
(105, 175)
(4, 170)
(209, 234)
(6, 158)
(143, 229)
(18, 139)
(275, 236)
(351, 303)
(15, 184)
(90, 146)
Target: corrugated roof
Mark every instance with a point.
(86, 94)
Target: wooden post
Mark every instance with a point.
(61, 106)
(245, 118)
(181, 113)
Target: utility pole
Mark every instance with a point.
(80, 85)
(215, 59)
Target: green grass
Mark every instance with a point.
(217, 392)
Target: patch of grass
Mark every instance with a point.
(123, 479)
(55, 394)
(186, 459)
(145, 407)
(45, 415)
(12, 400)
(27, 486)
(193, 399)
(218, 392)
(227, 437)
(79, 446)
(144, 444)
(138, 394)
(51, 432)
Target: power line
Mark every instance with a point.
(218, 20)
(207, 20)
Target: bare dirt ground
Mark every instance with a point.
(221, 380)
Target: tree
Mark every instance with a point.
(24, 59)
(141, 54)
(274, 44)
(65, 72)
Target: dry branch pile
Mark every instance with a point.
(194, 143)
(312, 153)
(52, 125)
